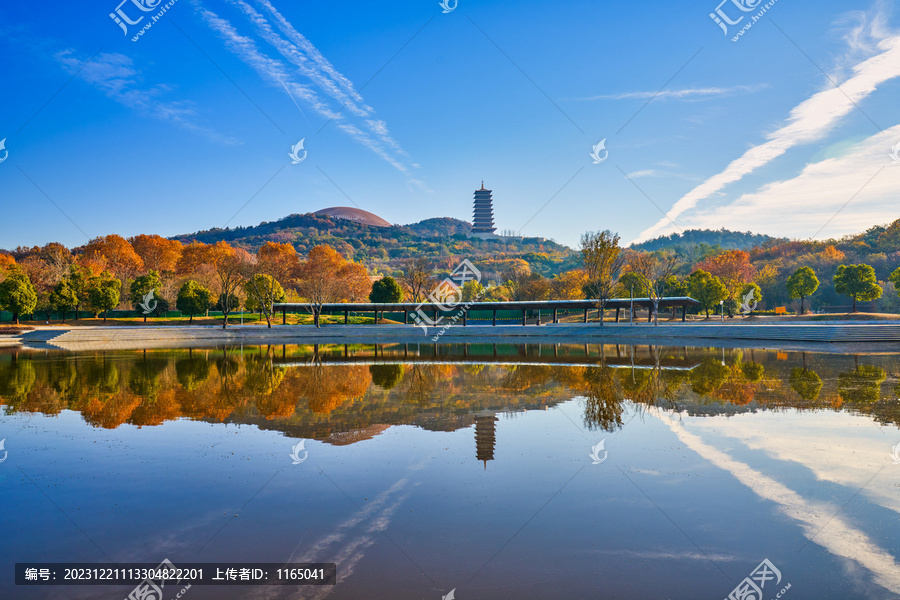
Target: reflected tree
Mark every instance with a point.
(806, 383)
(862, 385)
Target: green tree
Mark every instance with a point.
(802, 284)
(17, 294)
(386, 376)
(862, 385)
(858, 282)
(193, 299)
(751, 295)
(143, 285)
(895, 279)
(103, 293)
(63, 298)
(707, 289)
(603, 263)
(472, 291)
(386, 290)
(262, 291)
(806, 383)
(79, 280)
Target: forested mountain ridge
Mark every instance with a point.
(383, 249)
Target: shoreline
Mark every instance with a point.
(829, 337)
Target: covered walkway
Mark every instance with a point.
(429, 312)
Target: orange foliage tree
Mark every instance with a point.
(326, 276)
(733, 268)
(116, 254)
(158, 253)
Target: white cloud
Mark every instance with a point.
(687, 93)
(349, 111)
(837, 534)
(116, 76)
(809, 121)
(801, 206)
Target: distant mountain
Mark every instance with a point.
(723, 238)
(443, 240)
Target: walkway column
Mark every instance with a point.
(524, 312)
(406, 317)
(683, 312)
(617, 315)
(465, 316)
(555, 320)
(346, 317)
(316, 317)
(585, 315)
(284, 315)
(494, 320)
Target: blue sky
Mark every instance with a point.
(404, 109)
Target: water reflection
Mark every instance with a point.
(343, 394)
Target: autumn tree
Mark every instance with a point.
(193, 299)
(326, 277)
(277, 260)
(733, 268)
(568, 285)
(472, 291)
(104, 293)
(158, 253)
(116, 254)
(858, 282)
(58, 259)
(17, 294)
(6, 261)
(802, 284)
(603, 262)
(526, 286)
(386, 290)
(231, 269)
(706, 289)
(63, 298)
(416, 276)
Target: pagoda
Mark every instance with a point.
(483, 217)
(485, 436)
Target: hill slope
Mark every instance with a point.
(443, 240)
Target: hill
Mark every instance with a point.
(723, 238)
(383, 249)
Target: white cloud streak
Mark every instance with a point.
(809, 121)
(684, 94)
(349, 112)
(116, 76)
(858, 189)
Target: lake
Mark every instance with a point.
(459, 471)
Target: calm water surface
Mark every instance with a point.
(474, 468)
